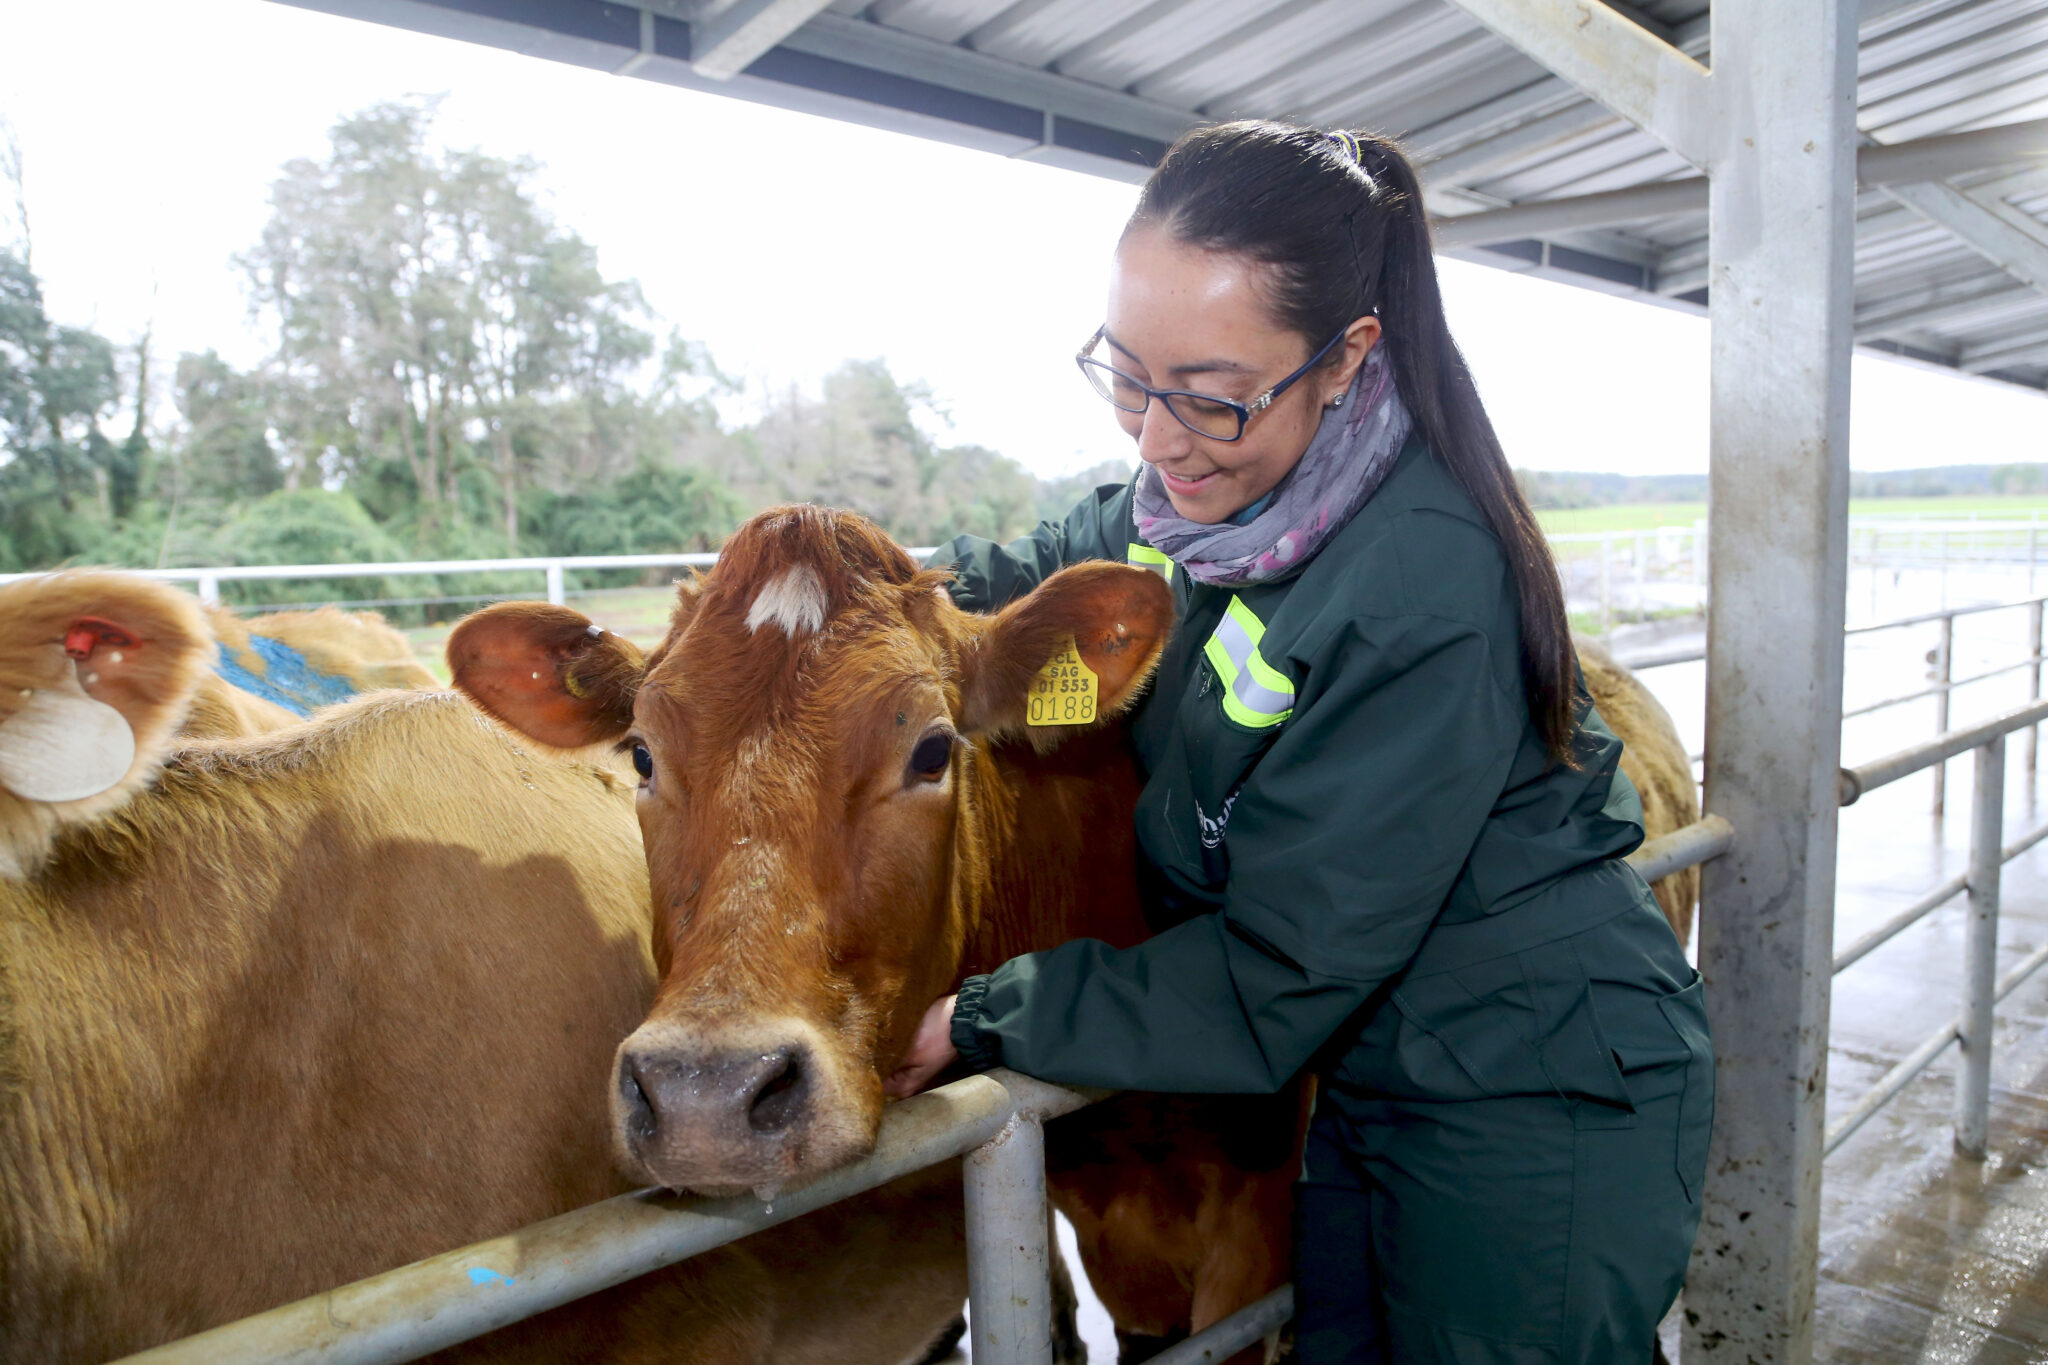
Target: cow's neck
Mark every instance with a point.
(1047, 848)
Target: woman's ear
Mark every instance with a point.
(1359, 339)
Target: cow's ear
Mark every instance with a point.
(97, 672)
(547, 672)
(1117, 619)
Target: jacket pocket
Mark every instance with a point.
(1522, 1024)
(1685, 1010)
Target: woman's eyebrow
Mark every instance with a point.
(1199, 367)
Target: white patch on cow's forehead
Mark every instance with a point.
(794, 599)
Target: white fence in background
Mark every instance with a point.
(1610, 577)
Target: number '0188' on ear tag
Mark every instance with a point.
(1063, 693)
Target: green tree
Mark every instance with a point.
(58, 471)
(431, 320)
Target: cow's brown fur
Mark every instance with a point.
(1655, 760)
(328, 1000)
(357, 645)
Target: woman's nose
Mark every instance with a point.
(1161, 437)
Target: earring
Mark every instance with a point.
(1338, 401)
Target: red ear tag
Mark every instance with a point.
(88, 632)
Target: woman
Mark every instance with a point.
(1385, 812)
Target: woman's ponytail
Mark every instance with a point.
(1438, 389)
(1338, 220)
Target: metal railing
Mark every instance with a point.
(1983, 988)
(995, 1120)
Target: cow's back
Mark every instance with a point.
(316, 1006)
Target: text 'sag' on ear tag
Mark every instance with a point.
(1063, 693)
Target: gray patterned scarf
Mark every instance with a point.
(1352, 451)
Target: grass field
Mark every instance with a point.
(639, 614)
(1621, 516)
(1648, 516)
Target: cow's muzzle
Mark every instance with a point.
(718, 1116)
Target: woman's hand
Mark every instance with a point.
(930, 1052)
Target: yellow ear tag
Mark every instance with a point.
(1063, 693)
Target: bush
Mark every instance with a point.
(310, 526)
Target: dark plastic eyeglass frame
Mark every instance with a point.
(1245, 411)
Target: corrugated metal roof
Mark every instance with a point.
(1102, 85)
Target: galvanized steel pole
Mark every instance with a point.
(1980, 949)
(2034, 668)
(1944, 674)
(1009, 1285)
(1606, 586)
(1781, 226)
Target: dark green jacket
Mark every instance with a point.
(1312, 844)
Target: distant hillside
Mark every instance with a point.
(1546, 489)
(2005, 480)
(1551, 490)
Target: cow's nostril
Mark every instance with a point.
(640, 1120)
(781, 1097)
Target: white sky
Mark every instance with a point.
(787, 243)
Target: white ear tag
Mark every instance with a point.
(64, 746)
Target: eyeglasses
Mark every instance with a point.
(1219, 419)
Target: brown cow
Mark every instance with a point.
(355, 650)
(1655, 760)
(282, 1012)
(844, 814)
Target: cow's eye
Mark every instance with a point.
(643, 762)
(928, 762)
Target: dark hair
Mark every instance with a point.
(1342, 238)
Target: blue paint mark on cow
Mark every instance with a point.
(482, 1275)
(287, 679)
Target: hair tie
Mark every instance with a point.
(1350, 145)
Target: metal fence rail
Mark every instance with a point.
(1982, 987)
(995, 1120)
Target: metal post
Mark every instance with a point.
(1642, 555)
(1009, 1286)
(1944, 570)
(1606, 586)
(1944, 670)
(555, 593)
(1781, 234)
(2033, 549)
(2034, 690)
(1980, 949)
(209, 589)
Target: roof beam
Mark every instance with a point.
(1954, 154)
(728, 42)
(1999, 355)
(2002, 234)
(1615, 61)
(1542, 217)
(1939, 305)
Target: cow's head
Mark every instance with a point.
(97, 670)
(809, 739)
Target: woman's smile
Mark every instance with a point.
(1187, 485)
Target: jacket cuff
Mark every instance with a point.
(978, 1050)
